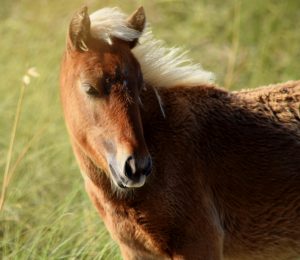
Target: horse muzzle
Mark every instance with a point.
(132, 172)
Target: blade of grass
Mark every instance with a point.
(35, 137)
(229, 77)
(11, 145)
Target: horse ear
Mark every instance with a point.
(79, 30)
(137, 21)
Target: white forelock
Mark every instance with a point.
(111, 22)
(161, 66)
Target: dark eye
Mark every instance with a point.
(90, 90)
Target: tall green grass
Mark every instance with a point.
(46, 214)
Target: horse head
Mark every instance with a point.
(101, 81)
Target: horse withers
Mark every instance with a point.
(177, 167)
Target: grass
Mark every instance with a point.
(46, 214)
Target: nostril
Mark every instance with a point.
(129, 167)
(133, 169)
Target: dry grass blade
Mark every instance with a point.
(6, 178)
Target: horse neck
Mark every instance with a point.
(152, 106)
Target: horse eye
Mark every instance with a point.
(90, 90)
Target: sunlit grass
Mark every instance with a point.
(46, 214)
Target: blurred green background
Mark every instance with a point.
(47, 214)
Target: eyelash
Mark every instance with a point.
(90, 90)
(107, 84)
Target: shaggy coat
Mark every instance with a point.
(225, 182)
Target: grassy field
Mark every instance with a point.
(46, 214)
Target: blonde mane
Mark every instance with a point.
(161, 66)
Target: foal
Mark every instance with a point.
(176, 167)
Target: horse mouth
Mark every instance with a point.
(123, 182)
(117, 178)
